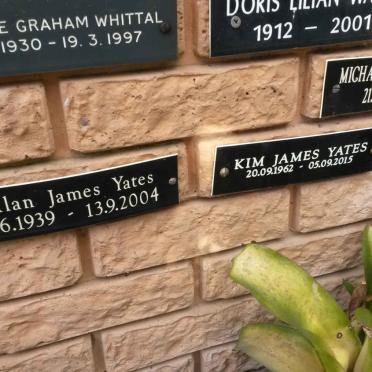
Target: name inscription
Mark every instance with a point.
(90, 198)
(347, 86)
(50, 35)
(242, 26)
(258, 165)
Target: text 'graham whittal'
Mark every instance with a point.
(51, 35)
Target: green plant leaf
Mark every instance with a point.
(279, 348)
(367, 261)
(364, 361)
(348, 286)
(364, 316)
(329, 362)
(367, 257)
(294, 297)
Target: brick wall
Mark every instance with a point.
(151, 293)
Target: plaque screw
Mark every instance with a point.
(165, 27)
(236, 22)
(172, 181)
(224, 172)
(336, 89)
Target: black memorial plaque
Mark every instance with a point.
(347, 87)
(244, 26)
(69, 202)
(52, 35)
(259, 165)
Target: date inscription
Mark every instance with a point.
(90, 198)
(258, 165)
(242, 26)
(51, 35)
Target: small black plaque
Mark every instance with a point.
(51, 35)
(259, 165)
(63, 203)
(244, 26)
(347, 87)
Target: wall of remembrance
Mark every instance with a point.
(124, 284)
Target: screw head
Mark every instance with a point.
(336, 89)
(236, 22)
(172, 181)
(165, 27)
(224, 172)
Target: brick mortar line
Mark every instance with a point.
(55, 108)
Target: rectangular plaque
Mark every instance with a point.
(51, 35)
(347, 86)
(243, 26)
(264, 164)
(69, 202)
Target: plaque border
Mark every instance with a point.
(217, 147)
(324, 82)
(279, 50)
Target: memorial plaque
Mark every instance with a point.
(63, 203)
(51, 35)
(260, 165)
(347, 87)
(243, 26)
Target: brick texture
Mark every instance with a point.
(152, 292)
(93, 305)
(24, 124)
(225, 358)
(68, 356)
(319, 255)
(38, 264)
(330, 203)
(201, 38)
(192, 229)
(132, 347)
(113, 112)
(181, 364)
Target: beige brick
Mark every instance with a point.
(25, 130)
(111, 112)
(225, 358)
(145, 343)
(201, 327)
(192, 229)
(68, 356)
(337, 202)
(81, 165)
(315, 78)
(201, 26)
(181, 364)
(38, 264)
(181, 25)
(321, 254)
(92, 306)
